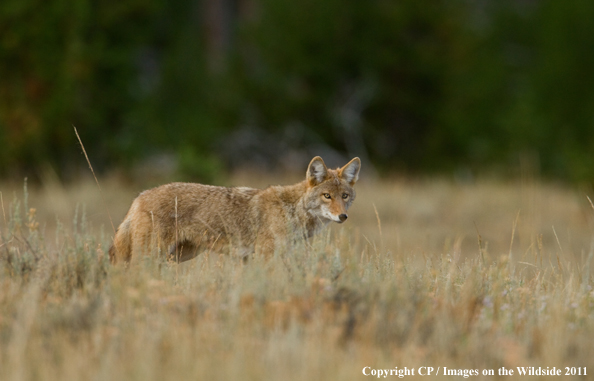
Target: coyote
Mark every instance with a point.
(181, 219)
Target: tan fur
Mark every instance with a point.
(182, 219)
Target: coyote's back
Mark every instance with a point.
(181, 219)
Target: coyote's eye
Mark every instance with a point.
(345, 196)
(327, 195)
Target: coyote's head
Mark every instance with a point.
(330, 191)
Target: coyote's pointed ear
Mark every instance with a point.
(350, 172)
(316, 171)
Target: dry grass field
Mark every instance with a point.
(425, 273)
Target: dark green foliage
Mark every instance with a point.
(440, 85)
(521, 84)
(64, 63)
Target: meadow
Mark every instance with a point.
(429, 272)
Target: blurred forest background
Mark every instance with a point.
(198, 86)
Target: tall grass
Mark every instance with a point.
(324, 310)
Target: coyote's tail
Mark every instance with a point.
(121, 249)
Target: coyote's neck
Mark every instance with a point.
(306, 219)
(296, 207)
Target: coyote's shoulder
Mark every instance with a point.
(180, 219)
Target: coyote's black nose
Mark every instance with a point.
(343, 217)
